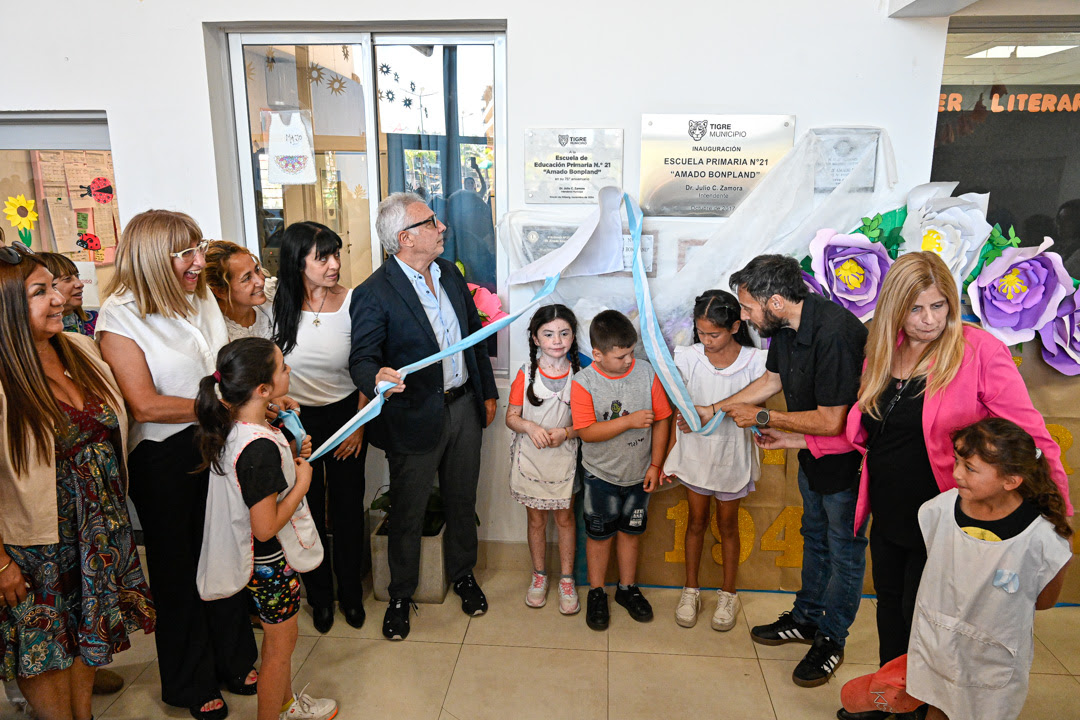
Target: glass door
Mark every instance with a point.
(302, 130)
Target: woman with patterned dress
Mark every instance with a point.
(71, 587)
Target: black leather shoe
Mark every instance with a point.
(473, 600)
(323, 618)
(634, 602)
(843, 714)
(596, 609)
(355, 616)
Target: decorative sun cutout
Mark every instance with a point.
(316, 74)
(389, 96)
(412, 86)
(345, 51)
(270, 60)
(337, 84)
(384, 69)
(249, 70)
(407, 102)
(425, 112)
(396, 77)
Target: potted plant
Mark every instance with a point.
(433, 583)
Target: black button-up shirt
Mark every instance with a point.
(819, 366)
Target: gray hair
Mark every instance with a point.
(391, 219)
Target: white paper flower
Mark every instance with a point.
(953, 227)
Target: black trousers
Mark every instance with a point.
(336, 495)
(456, 460)
(897, 570)
(199, 644)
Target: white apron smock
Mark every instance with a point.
(972, 638)
(292, 159)
(227, 558)
(543, 479)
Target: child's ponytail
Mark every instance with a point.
(242, 366)
(1011, 451)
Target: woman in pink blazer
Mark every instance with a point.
(926, 375)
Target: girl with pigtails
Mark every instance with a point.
(544, 452)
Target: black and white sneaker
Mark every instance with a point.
(597, 615)
(396, 621)
(784, 630)
(821, 661)
(473, 600)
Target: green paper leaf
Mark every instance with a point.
(807, 264)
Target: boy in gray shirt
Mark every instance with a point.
(622, 415)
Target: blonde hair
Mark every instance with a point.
(909, 276)
(216, 272)
(144, 267)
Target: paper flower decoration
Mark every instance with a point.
(1061, 337)
(954, 228)
(814, 285)
(487, 304)
(1020, 292)
(851, 268)
(22, 216)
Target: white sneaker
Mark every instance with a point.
(568, 597)
(536, 596)
(305, 707)
(689, 606)
(727, 607)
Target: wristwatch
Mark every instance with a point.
(762, 417)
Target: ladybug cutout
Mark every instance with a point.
(88, 241)
(100, 189)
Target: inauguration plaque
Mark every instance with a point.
(705, 165)
(570, 165)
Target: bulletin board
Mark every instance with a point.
(77, 193)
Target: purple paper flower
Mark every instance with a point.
(1061, 337)
(814, 286)
(851, 268)
(1020, 292)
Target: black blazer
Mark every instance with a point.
(390, 329)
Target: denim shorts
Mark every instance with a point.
(613, 508)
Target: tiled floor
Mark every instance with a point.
(516, 663)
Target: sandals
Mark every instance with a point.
(240, 686)
(220, 714)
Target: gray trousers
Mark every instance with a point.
(456, 460)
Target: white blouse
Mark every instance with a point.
(263, 327)
(179, 351)
(320, 360)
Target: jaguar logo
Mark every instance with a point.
(563, 139)
(698, 128)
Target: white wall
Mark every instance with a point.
(569, 64)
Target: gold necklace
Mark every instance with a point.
(316, 321)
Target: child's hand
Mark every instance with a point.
(652, 478)
(640, 419)
(556, 436)
(665, 478)
(303, 474)
(305, 447)
(540, 437)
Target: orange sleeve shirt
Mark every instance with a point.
(660, 406)
(517, 389)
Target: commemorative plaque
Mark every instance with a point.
(705, 165)
(570, 165)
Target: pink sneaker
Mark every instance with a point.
(536, 596)
(568, 597)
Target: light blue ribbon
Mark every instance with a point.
(1007, 580)
(653, 340)
(373, 408)
(292, 423)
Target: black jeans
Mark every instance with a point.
(456, 459)
(897, 569)
(199, 643)
(337, 494)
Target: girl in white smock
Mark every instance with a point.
(724, 465)
(258, 532)
(544, 451)
(997, 549)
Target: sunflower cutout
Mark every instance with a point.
(407, 102)
(316, 74)
(384, 69)
(22, 216)
(337, 85)
(249, 70)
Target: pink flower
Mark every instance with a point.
(487, 304)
